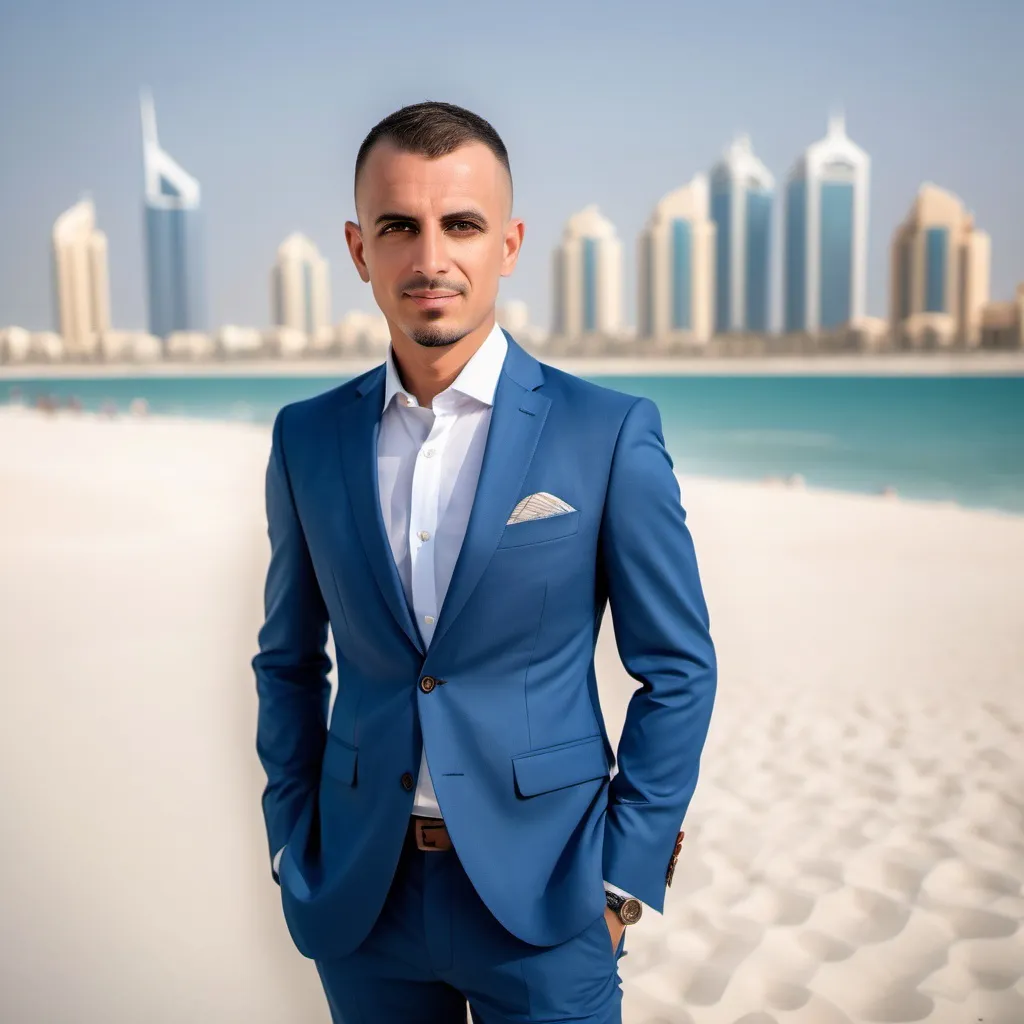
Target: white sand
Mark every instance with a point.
(855, 852)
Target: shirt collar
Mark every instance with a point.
(478, 378)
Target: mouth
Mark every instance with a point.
(429, 299)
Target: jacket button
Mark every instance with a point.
(427, 683)
(408, 782)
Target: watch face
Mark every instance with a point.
(630, 911)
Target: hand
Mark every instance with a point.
(615, 926)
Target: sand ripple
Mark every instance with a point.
(855, 851)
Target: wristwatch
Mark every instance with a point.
(627, 910)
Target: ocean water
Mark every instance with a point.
(957, 439)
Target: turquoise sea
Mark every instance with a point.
(936, 438)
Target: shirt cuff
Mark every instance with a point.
(619, 892)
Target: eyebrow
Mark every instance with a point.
(449, 218)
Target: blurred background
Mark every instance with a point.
(798, 227)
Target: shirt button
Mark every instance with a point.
(427, 683)
(428, 619)
(428, 453)
(424, 535)
(408, 782)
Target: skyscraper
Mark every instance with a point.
(588, 276)
(81, 279)
(300, 287)
(676, 267)
(741, 207)
(826, 234)
(939, 270)
(174, 249)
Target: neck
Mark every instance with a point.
(426, 371)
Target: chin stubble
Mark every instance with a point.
(437, 337)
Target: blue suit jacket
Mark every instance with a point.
(516, 742)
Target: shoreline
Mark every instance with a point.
(770, 484)
(939, 364)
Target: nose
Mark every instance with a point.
(431, 253)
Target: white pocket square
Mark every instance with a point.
(538, 506)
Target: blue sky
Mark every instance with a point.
(266, 103)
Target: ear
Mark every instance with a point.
(354, 238)
(513, 243)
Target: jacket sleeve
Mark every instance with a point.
(291, 667)
(662, 632)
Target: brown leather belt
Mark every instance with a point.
(429, 834)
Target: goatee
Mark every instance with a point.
(436, 337)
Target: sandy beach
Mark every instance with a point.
(854, 853)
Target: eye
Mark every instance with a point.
(463, 226)
(395, 226)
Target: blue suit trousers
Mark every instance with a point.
(436, 946)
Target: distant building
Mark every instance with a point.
(285, 342)
(174, 246)
(514, 316)
(362, 333)
(1002, 323)
(46, 346)
(20, 346)
(15, 344)
(826, 235)
(939, 273)
(861, 334)
(232, 341)
(81, 279)
(588, 277)
(742, 189)
(131, 346)
(300, 287)
(196, 345)
(676, 267)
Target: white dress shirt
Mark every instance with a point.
(428, 466)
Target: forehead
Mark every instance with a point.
(394, 180)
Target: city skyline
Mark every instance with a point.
(274, 151)
(713, 277)
(703, 260)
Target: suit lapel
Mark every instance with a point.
(517, 419)
(358, 427)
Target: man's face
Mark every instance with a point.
(433, 239)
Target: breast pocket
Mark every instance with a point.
(536, 531)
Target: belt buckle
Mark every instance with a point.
(431, 834)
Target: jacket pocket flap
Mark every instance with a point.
(340, 760)
(568, 764)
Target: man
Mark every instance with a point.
(461, 516)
